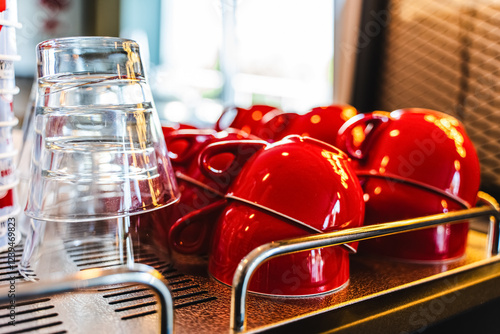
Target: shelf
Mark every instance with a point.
(382, 296)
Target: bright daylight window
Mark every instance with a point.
(219, 53)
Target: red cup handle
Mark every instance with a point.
(241, 151)
(180, 144)
(204, 218)
(369, 123)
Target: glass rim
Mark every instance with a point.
(98, 217)
(86, 41)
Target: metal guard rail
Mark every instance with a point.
(146, 275)
(93, 278)
(258, 256)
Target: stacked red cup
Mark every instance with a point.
(202, 199)
(294, 187)
(9, 206)
(413, 162)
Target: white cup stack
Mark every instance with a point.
(9, 204)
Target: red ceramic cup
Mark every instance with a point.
(183, 145)
(250, 120)
(8, 201)
(242, 228)
(413, 162)
(388, 200)
(321, 123)
(167, 129)
(6, 198)
(278, 127)
(292, 188)
(198, 192)
(150, 231)
(191, 233)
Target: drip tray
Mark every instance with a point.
(380, 293)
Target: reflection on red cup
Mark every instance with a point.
(184, 147)
(292, 188)
(388, 200)
(197, 190)
(191, 233)
(322, 123)
(167, 129)
(184, 144)
(242, 228)
(6, 198)
(277, 127)
(251, 121)
(8, 201)
(420, 153)
(151, 232)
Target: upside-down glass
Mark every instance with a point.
(99, 156)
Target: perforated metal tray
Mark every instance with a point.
(380, 293)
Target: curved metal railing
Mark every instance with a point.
(92, 278)
(258, 256)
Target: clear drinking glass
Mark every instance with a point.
(99, 156)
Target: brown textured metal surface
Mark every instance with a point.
(202, 305)
(445, 55)
(410, 310)
(370, 277)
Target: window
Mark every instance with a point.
(214, 54)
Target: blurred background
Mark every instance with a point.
(199, 60)
(205, 55)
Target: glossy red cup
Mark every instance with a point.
(184, 145)
(251, 121)
(6, 198)
(292, 188)
(413, 162)
(197, 190)
(9, 209)
(242, 228)
(167, 129)
(441, 243)
(8, 201)
(322, 123)
(148, 231)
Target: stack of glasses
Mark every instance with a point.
(9, 206)
(100, 180)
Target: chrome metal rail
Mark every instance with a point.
(146, 275)
(258, 256)
(92, 278)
